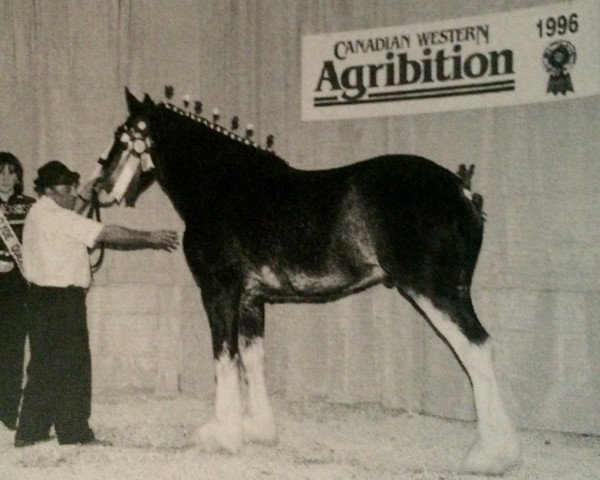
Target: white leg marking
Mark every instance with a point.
(224, 432)
(258, 421)
(497, 449)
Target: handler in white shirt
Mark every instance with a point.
(55, 245)
(56, 263)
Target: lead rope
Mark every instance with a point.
(94, 211)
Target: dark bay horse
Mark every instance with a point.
(259, 231)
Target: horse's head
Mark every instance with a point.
(126, 170)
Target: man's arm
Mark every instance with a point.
(122, 236)
(84, 196)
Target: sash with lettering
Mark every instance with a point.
(10, 239)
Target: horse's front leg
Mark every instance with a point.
(224, 431)
(258, 421)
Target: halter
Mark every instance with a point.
(94, 211)
(134, 156)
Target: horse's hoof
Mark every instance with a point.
(218, 436)
(259, 430)
(492, 459)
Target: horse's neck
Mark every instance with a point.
(193, 160)
(197, 151)
(185, 173)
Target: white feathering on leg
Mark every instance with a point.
(497, 449)
(258, 422)
(225, 430)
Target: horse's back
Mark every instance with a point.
(401, 212)
(421, 222)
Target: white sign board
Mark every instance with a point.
(533, 55)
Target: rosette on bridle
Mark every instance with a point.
(559, 58)
(119, 178)
(123, 175)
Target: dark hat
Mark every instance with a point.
(54, 173)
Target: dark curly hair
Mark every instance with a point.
(7, 158)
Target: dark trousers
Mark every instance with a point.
(12, 345)
(59, 384)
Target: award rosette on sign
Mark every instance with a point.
(559, 58)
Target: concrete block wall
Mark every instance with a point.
(138, 307)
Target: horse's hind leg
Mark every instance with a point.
(258, 421)
(497, 448)
(224, 431)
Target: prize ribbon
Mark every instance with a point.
(559, 58)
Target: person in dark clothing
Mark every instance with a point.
(56, 239)
(13, 288)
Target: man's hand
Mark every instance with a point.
(164, 240)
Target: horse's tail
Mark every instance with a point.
(473, 234)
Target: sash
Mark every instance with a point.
(10, 239)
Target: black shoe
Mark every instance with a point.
(88, 441)
(20, 442)
(96, 442)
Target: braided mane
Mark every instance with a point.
(227, 139)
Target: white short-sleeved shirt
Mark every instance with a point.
(55, 243)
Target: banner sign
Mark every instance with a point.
(533, 55)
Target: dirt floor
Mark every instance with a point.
(317, 440)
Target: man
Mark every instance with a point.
(56, 262)
(13, 288)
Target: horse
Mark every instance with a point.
(259, 231)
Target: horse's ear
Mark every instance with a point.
(133, 104)
(148, 101)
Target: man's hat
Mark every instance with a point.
(54, 173)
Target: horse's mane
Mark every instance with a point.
(216, 135)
